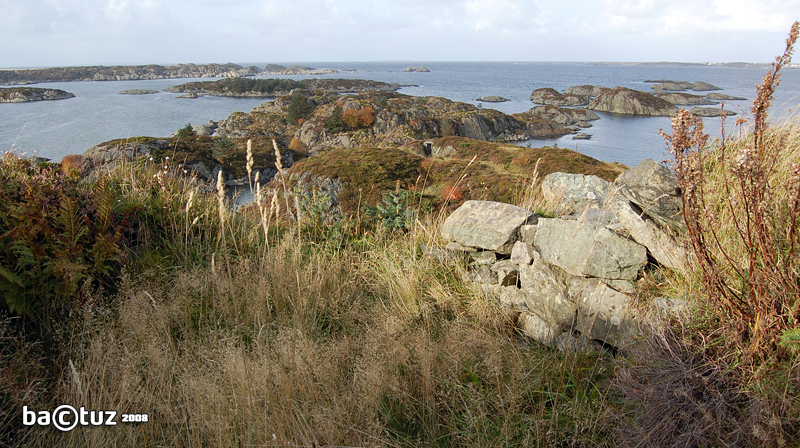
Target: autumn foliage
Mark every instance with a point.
(361, 118)
(452, 193)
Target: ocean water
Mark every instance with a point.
(98, 113)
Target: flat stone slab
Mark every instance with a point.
(486, 225)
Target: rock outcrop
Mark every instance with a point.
(552, 97)
(416, 70)
(684, 99)
(573, 119)
(654, 189)
(585, 90)
(396, 120)
(571, 278)
(28, 94)
(621, 100)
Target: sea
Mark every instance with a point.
(98, 113)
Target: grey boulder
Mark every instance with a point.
(486, 225)
(586, 249)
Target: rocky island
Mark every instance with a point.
(28, 94)
(416, 69)
(138, 92)
(492, 99)
(124, 73)
(275, 69)
(272, 88)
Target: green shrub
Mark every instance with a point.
(185, 132)
(335, 122)
(395, 211)
(56, 233)
(298, 108)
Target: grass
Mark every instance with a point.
(225, 338)
(270, 327)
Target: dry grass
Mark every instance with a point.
(308, 344)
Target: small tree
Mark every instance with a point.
(298, 108)
(186, 132)
(335, 122)
(366, 116)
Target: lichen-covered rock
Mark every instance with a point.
(621, 100)
(545, 295)
(523, 253)
(654, 189)
(603, 313)
(486, 225)
(586, 249)
(661, 246)
(537, 329)
(574, 193)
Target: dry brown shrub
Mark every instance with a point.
(71, 162)
(740, 203)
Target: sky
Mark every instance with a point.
(36, 33)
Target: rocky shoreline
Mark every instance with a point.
(28, 94)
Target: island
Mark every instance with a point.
(275, 69)
(124, 73)
(28, 94)
(493, 99)
(416, 69)
(272, 88)
(137, 92)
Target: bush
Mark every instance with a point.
(186, 132)
(350, 118)
(361, 118)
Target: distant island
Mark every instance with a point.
(138, 92)
(124, 73)
(28, 94)
(271, 88)
(275, 69)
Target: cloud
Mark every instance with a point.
(93, 31)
